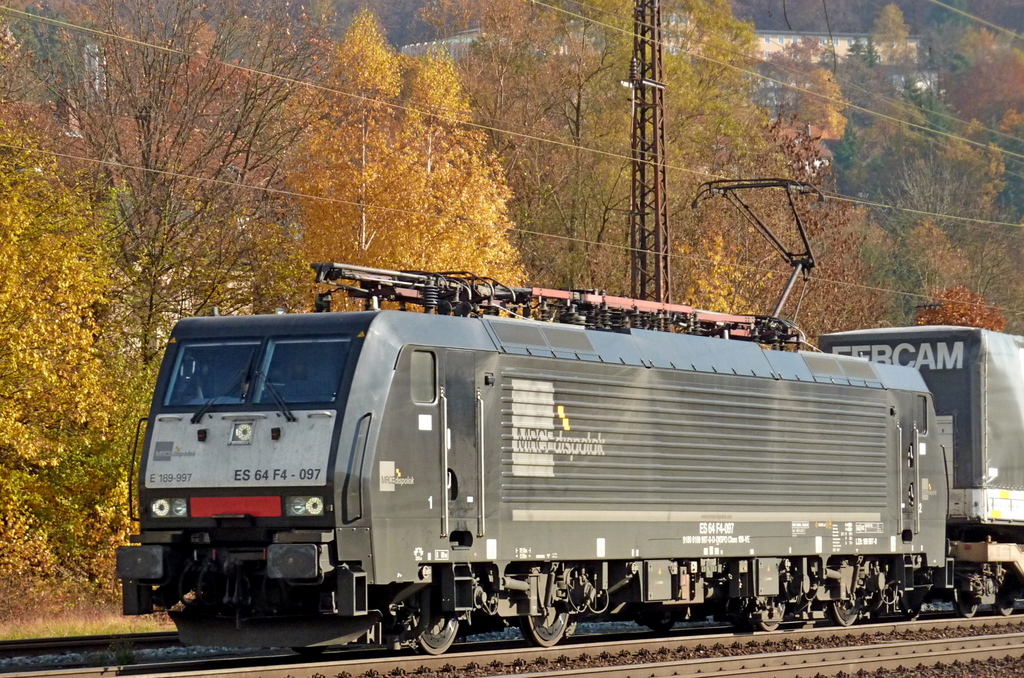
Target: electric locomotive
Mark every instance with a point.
(392, 477)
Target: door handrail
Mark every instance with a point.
(480, 471)
(445, 490)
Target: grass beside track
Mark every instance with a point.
(96, 621)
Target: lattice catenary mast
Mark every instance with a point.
(649, 236)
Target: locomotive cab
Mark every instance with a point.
(237, 484)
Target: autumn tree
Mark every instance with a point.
(741, 272)
(190, 128)
(401, 186)
(891, 36)
(546, 85)
(990, 82)
(962, 307)
(803, 92)
(547, 79)
(724, 263)
(55, 392)
(13, 67)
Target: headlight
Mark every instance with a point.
(160, 508)
(304, 506)
(174, 508)
(315, 506)
(179, 507)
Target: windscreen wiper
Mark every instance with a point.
(282, 405)
(201, 412)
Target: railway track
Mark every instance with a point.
(33, 647)
(783, 654)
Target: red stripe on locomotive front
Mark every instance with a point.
(263, 507)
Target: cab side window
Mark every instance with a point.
(423, 377)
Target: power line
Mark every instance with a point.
(412, 109)
(901, 106)
(398, 210)
(972, 17)
(755, 74)
(833, 195)
(530, 137)
(334, 90)
(896, 103)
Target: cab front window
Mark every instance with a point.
(302, 370)
(205, 371)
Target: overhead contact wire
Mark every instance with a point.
(484, 127)
(521, 135)
(398, 210)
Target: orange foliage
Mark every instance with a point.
(962, 307)
(993, 83)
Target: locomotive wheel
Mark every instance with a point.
(966, 605)
(1004, 604)
(769, 618)
(439, 636)
(547, 630)
(659, 622)
(910, 605)
(843, 612)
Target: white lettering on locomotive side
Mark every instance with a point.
(537, 441)
(539, 430)
(940, 355)
(391, 477)
(716, 528)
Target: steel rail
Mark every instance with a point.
(33, 647)
(808, 663)
(803, 663)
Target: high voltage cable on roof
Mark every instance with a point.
(554, 236)
(521, 135)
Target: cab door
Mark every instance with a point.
(461, 449)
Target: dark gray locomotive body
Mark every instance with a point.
(388, 476)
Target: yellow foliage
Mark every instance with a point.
(364, 62)
(52, 279)
(720, 281)
(54, 398)
(826, 109)
(891, 35)
(410, 189)
(436, 89)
